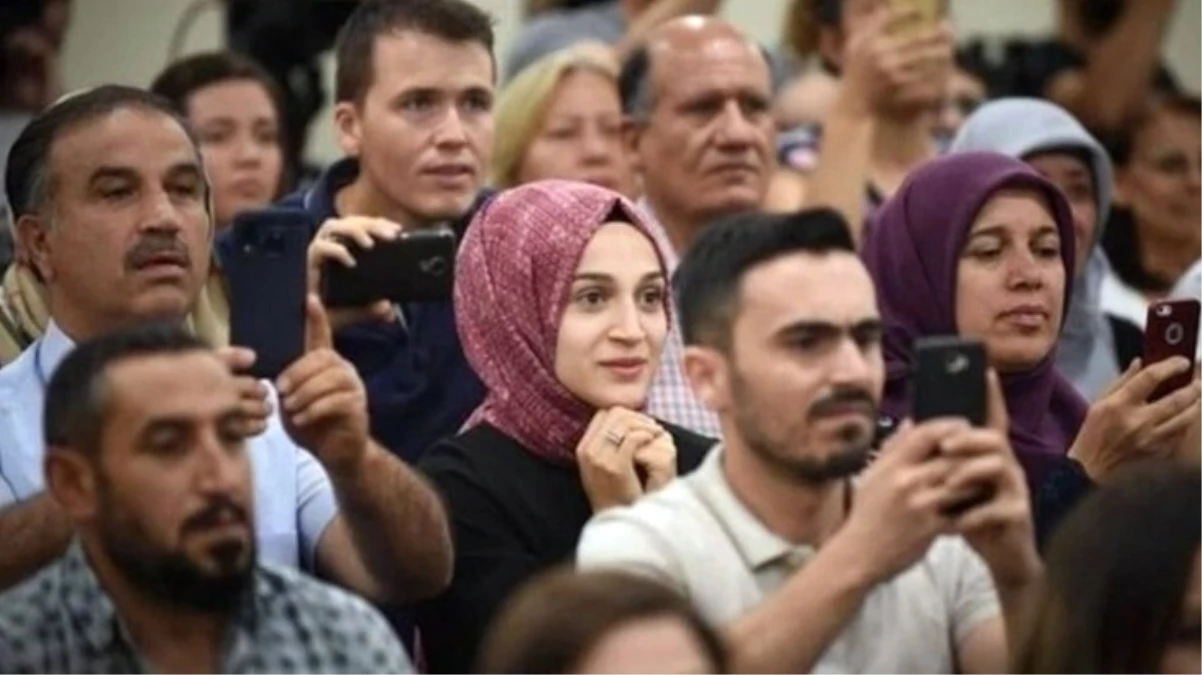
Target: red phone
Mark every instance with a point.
(1171, 330)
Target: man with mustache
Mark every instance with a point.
(147, 457)
(808, 567)
(115, 212)
(696, 97)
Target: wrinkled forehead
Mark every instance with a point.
(708, 60)
(146, 143)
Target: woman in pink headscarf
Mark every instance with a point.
(562, 305)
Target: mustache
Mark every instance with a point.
(841, 399)
(217, 510)
(154, 245)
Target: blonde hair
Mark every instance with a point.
(522, 106)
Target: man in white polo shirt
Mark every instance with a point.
(113, 209)
(770, 538)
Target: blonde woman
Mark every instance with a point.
(561, 118)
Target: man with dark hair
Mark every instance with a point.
(784, 343)
(113, 208)
(147, 457)
(697, 99)
(415, 87)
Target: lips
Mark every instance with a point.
(163, 260)
(1026, 316)
(625, 368)
(450, 170)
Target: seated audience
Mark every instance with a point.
(1154, 234)
(562, 302)
(1094, 347)
(562, 118)
(413, 97)
(807, 568)
(703, 149)
(236, 111)
(600, 622)
(111, 200)
(163, 574)
(980, 245)
(1122, 591)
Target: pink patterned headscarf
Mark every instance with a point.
(512, 282)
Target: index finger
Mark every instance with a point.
(914, 444)
(997, 418)
(237, 359)
(318, 334)
(1141, 386)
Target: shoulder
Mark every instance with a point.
(691, 447)
(287, 595)
(17, 375)
(478, 449)
(656, 535)
(25, 613)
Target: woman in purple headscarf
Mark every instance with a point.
(980, 245)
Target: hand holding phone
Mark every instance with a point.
(1171, 330)
(950, 382)
(925, 15)
(411, 266)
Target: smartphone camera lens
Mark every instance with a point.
(1164, 310)
(1174, 334)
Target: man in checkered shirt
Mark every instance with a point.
(146, 453)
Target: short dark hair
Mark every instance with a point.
(708, 281)
(1116, 574)
(76, 399)
(190, 74)
(450, 20)
(27, 179)
(552, 623)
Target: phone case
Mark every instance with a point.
(266, 277)
(419, 266)
(1171, 330)
(949, 379)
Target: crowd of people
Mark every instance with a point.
(668, 418)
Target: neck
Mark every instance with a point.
(361, 198)
(1168, 259)
(170, 639)
(680, 228)
(899, 145)
(796, 512)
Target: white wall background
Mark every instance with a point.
(128, 41)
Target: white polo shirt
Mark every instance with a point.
(696, 535)
(294, 501)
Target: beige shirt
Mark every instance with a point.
(696, 535)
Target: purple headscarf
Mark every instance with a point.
(913, 251)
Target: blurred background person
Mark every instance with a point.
(1155, 231)
(1122, 588)
(562, 118)
(633, 625)
(236, 110)
(562, 303)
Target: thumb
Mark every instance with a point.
(318, 334)
(237, 359)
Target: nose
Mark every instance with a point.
(219, 471)
(249, 152)
(595, 149)
(851, 365)
(1023, 271)
(160, 214)
(735, 130)
(451, 132)
(627, 323)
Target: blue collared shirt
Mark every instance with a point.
(62, 620)
(294, 501)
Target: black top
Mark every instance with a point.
(513, 514)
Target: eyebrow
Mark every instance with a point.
(112, 173)
(602, 277)
(1000, 231)
(188, 169)
(813, 326)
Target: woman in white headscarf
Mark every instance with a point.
(1094, 347)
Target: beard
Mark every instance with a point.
(172, 577)
(776, 445)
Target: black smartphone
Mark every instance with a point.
(950, 381)
(266, 277)
(1171, 330)
(417, 266)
